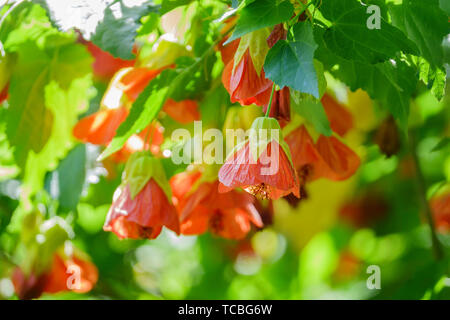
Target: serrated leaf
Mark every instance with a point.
(434, 78)
(117, 32)
(312, 110)
(291, 62)
(261, 14)
(425, 24)
(350, 38)
(392, 83)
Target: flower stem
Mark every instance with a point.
(421, 185)
(270, 101)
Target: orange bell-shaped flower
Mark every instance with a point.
(201, 207)
(142, 203)
(261, 165)
(341, 120)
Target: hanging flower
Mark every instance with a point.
(184, 112)
(261, 164)
(244, 77)
(142, 202)
(201, 207)
(327, 158)
(341, 120)
(57, 278)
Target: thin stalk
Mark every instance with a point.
(270, 101)
(421, 185)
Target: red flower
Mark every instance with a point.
(262, 167)
(142, 205)
(61, 271)
(339, 161)
(201, 207)
(341, 120)
(440, 207)
(56, 279)
(185, 111)
(244, 84)
(100, 127)
(106, 65)
(328, 158)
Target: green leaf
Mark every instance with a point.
(70, 177)
(169, 5)
(290, 62)
(445, 6)
(312, 110)
(116, 33)
(434, 78)
(350, 37)
(29, 122)
(424, 23)
(392, 83)
(444, 143)
(261, 14)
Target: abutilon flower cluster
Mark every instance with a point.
(207, 198)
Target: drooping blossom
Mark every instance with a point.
(327, 158)
(201, 207)
(261, 164)
(142, 203)
(243, 76)
(341, 120)
(57, 278)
